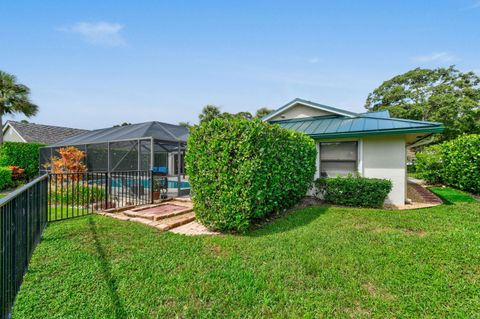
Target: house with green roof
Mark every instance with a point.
(370, 144)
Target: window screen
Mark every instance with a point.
(338, 158)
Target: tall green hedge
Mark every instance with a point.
(241, 170)
(5, 178)
(455, 163)
(24, 155)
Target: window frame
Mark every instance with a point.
(355, 162)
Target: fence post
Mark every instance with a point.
(107, 186)
(151, 187)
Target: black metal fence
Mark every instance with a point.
(78, 194)
(23, 216)
(25, 212)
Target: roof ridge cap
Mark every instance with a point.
(166, 130)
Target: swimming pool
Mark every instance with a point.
(115, 182)
(174, 184)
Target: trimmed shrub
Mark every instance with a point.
(24, 155)
(455, 163)
(241, 170)
(429, 164)
(5, 178)
(354, 190)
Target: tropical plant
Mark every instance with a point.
(70, 161)
(209, 112)
(442, 95)
(14, 98)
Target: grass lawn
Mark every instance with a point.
(59, 212)
(316, 262)
(450, 195)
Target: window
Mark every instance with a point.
(338, 158)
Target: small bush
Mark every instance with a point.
(241, 170)
(24, 155)
(429, 164)
(455, 163)
(354, 190)
(5, 178)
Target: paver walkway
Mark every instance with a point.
(163, 216)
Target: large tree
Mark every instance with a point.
(210, 112)
(14, 98)
(443, 95)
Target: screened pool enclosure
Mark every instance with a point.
(155, 148)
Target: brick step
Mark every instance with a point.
(173, 222)
(164, 224)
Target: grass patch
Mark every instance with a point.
(58, 212)
(450, 195)
(316, 262)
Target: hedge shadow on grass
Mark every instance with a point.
(107, 271)
(296, 218)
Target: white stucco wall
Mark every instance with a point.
(384, 157)
(379, 157)
(300, 111)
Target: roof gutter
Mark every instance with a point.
(432, 130)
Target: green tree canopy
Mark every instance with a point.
(123, 124)
(441, 95)
(263, 111)
(209, 112)
(14, 98)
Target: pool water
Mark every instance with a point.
(174, 184)
(146, 183)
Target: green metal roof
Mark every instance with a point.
(337, 126)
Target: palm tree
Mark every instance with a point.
(209, 112)
(14, 99)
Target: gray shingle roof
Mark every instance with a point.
(44, 134)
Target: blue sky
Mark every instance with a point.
(93, 64)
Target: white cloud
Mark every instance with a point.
(313, 60)
(98, 33)
(435, 57)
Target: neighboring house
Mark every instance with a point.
(372, 144)
(14, 131)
